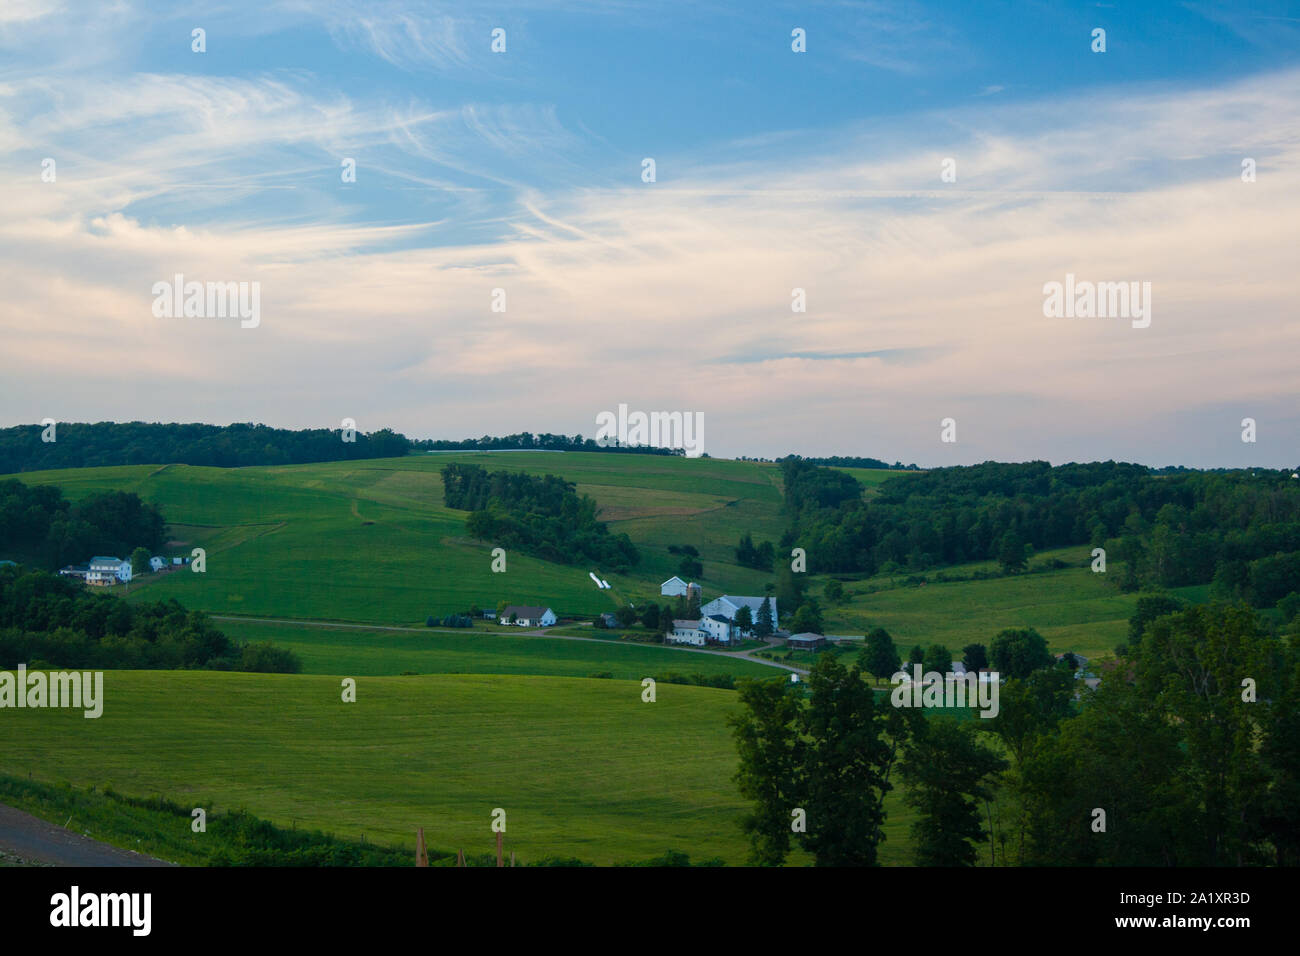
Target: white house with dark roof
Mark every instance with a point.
(104, 570)
(717, 627)
(729, 604)
(706, 630)
(527, 616)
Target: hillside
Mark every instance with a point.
(371, 542)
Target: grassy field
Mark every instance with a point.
(1073, 608)
(582, 767)
(372, 542)
(495, 718)
(481, 651)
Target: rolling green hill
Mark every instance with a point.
(372, 542)
(497, 718)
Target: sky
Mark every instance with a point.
(921, 171)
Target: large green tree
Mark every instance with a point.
(846, 766)
(879, 657)
(948, 773)
(767, 739)
(1017, 652)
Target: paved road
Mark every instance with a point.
(34, 840)
(541, 632)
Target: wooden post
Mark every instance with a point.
(512, 857)
(500, 861)
(460, 858)
(421, 854)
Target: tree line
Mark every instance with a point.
(85, 445)
(1187, 754)
(1239, 530)
(40, 527)
(49, 621)
(540, 442)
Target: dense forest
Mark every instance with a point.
(1187, 754)
(79, 445)
(48, 621)
(544, 517)
(1239, 530)
(38, 526)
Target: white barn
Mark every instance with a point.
(673, 587)
(729, 604)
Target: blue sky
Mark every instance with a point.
(775, 170)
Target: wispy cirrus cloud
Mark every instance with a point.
(924, 297)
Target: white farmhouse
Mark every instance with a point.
(706, 630)
(729, 604)
(717, 627)
(105, 570)
(527, 616)
(687, 632)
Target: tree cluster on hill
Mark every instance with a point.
(544, 517)
(759, 557)
(543, 442)
(1240, 529)
(84, 445)
(59, 623)
(40, 527)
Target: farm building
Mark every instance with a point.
(717, 627)
(75, 571)
(106, 570)
(156, 563)
(729, 604)
(687, 632)
(708, 630)
(806, 641)
(527, 616)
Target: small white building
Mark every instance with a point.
(157, 564)
(673, 587)
(687, 632)
(526, 615)
(717, 627)
(103, 571)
